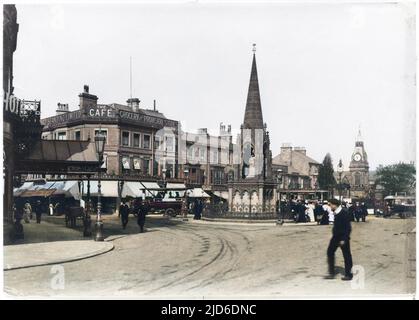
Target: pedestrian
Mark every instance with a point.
(197, 209)
(357, 212)
(329, 212)
(27, 212)
(123, 213)
(318, 212)
(38, 211)
(340, 239)
(310, 211)
(364, 212)
(141, 215)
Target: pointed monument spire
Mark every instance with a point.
(253, 115)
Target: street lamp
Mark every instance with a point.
(100, 145)
(340, 171)
(278, 183)
(184, 204)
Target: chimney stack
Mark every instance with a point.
(134, 103)
(87, 99)
(154, 105)
(61, 108)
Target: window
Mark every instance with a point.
(170, 145)
(146, 166)
(357, 179)
(157, 142)
(62, 135)
(103, 132)
(214, 156)
(125, 138)
(146, 142)
(136, 140)
(77, 135)
(126, 163)
(137, 165)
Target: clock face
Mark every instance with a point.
(357, 157)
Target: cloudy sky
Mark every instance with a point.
(324, 69)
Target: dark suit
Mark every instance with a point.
(124, 212)
(142, 212)
(341, 232)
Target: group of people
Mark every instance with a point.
(138, 207)
(25, 211)
(320, 212)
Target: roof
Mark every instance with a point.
(297, 158)
(63, 150)
(148, 112)
(295, 154)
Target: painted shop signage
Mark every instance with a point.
(11, 104)
(108, 113)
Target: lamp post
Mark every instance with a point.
(185, 204)
(340, 171)
(100, 145)
(278, 185)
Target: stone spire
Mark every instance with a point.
(253, 115)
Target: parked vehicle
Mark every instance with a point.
(402, 206)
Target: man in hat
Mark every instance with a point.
(341, 237)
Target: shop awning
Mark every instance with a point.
(18, 191)
(221, 194)
(197, 193)
(136, 189)
(108, 188)
(38, 193)
(69, 189)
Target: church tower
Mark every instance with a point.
(253, 192)
(359, 169)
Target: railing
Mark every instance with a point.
(220, 211)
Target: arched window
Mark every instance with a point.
(357, 178)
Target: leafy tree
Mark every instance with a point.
(326, 178)
(394, 178)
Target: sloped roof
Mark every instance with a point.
(63, 150)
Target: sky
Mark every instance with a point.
(325, 70)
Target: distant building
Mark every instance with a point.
(356, 182)
(297, 171)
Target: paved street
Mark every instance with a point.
(176, 259)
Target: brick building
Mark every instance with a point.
(139, 142)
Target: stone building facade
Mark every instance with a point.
(297, 169)
(139, 142)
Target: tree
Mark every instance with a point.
(326, 178)
(394, 178)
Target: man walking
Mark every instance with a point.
(38, 211)
(341, 237)
(123, 213)
(142, 212)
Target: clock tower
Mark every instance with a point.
(359, 169)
